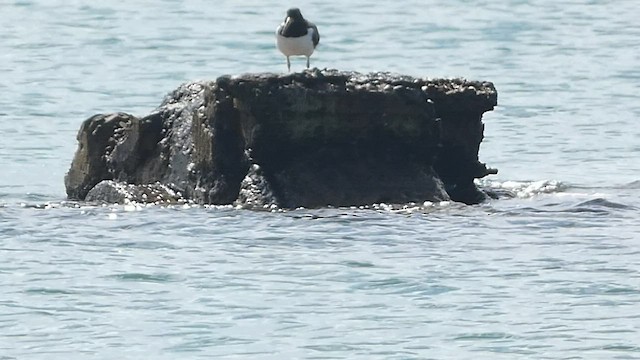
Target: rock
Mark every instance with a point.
(114, 192)
(312, 139)
(255, 191)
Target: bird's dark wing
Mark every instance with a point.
(316, 34)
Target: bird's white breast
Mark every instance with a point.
(291, 46)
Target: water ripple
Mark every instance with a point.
(150, 278)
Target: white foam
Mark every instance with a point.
(525, 189)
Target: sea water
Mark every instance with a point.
(551, 273)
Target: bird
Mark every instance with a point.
(296, 36)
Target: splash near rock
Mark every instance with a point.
(311, 139)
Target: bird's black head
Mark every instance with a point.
(294, 13)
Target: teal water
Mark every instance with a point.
(550, 274)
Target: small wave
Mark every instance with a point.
(521, 189)
(358, 264)
(596, 207)
(594, 289)
(139, 277)
(484, 336)
(49, 291)
(404, 287)
(146, 245)
(599, 203)
(631, 185)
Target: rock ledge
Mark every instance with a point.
(310, 139)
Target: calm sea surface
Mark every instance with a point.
(553, 273)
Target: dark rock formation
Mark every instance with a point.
(309, 139)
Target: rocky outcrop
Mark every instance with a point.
(312, 139)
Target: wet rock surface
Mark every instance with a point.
(110, 191)
(311, 139)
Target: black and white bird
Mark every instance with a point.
(296, 36)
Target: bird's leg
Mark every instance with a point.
(288, 64)
(307, 62)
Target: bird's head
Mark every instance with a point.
(294, 14)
